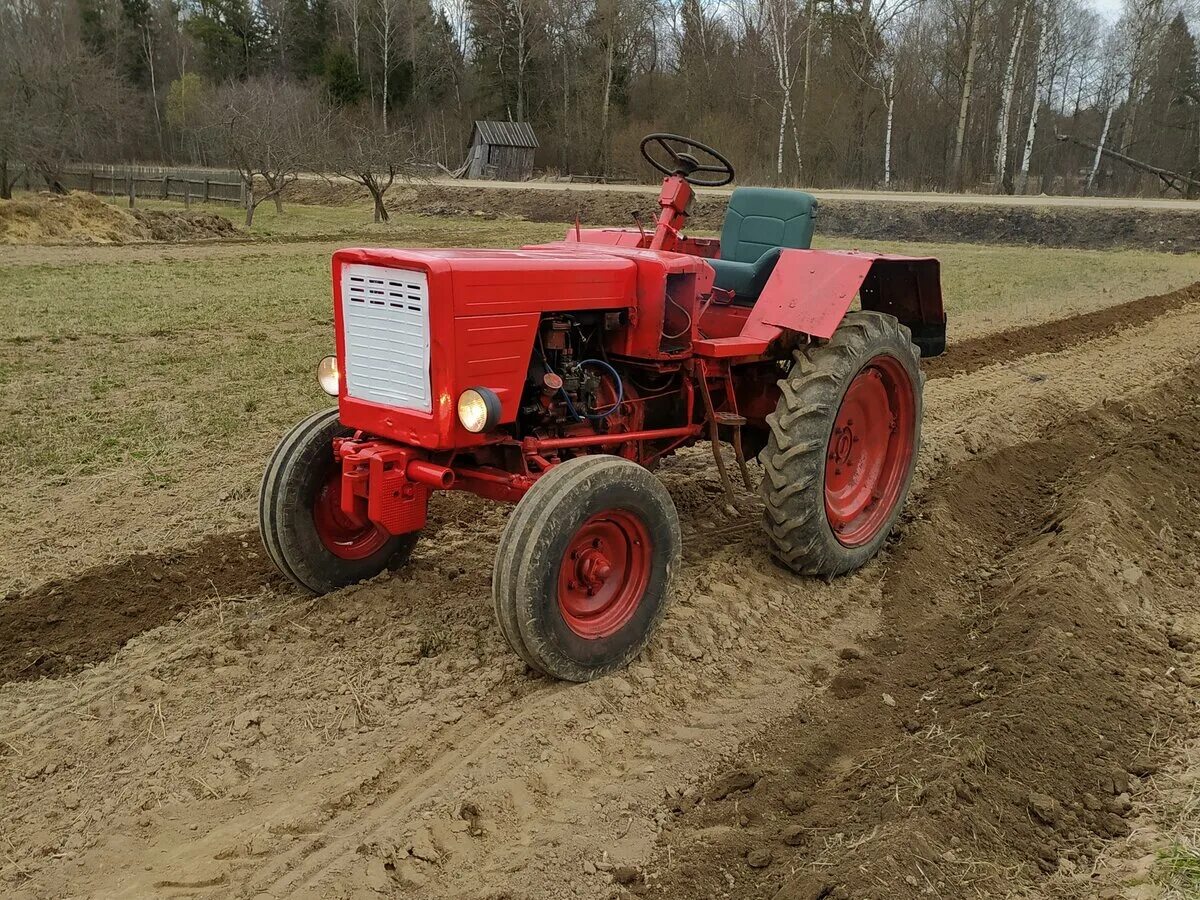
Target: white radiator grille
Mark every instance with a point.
(385, 314)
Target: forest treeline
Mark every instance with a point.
(914, 94)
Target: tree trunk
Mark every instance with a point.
(5, 185)
(381, 213)
(1006, 99)
(887, 134)
(251, 204)
(964, 104)
(521, 60)
(387, 43)
(1100, 146)
(608, 81)
(1039, 85)
(782, 129)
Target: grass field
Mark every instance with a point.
(117, 361)
(139, 367)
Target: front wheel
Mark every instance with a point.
(304, 530)
(843, 446)
(584, 567)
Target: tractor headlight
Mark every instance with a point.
(478, 409)
(328, 375)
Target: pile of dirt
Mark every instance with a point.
(74, 218)
(83, 218)
(1038, 640)
(184, 226)
(884, 220)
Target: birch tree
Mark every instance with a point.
(1039, 90)
(1006, 97)
(974, 19)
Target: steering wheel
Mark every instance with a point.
(682, 162)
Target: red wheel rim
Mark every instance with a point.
(343, 536)
(604, 574)
(869, 451)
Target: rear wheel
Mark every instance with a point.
(584, 567)
(304, 530)
(843, 446)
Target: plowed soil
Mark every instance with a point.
(978, 712)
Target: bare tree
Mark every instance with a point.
(356, 148)
(265, 128)
(61, 107)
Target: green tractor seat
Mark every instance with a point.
(758, 224)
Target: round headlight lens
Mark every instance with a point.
(328, 376)
(478, 409)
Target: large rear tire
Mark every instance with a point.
(843, 446)
(303, 529)
(584, 567)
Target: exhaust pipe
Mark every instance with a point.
(430, 473)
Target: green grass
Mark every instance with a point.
(1178, 870)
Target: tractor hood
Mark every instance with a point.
(416, 328)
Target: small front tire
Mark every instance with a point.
(303, 529)
(584, 567)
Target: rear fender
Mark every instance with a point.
(810, 291)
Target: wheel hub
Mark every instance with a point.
(870, 448)
(342, 535)
(604, 574)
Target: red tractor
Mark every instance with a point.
(557, 376)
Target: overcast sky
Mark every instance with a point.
(1110, 9)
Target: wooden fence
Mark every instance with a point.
(157, 182)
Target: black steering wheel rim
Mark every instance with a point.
(685, 164)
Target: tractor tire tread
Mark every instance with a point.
(307, 565)
(793, 485)
(521, 561)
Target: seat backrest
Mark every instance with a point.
(761, 218)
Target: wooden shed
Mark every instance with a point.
(502, 150)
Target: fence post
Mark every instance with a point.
(91, 181)
(206, 190)
(166, 187)
(187, 193)
(132, 190)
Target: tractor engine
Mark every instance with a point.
(574, 388)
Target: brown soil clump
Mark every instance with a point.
(1057, 335)
(999, 724)
(184, 226)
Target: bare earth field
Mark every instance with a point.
(1003, 704)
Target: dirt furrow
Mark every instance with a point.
(1057, 335)
(317, 745)
(1032, 659)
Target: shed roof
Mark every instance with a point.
(506, 134)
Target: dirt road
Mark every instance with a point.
(235, 739)
(930, 197)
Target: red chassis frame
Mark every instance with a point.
(487, 306)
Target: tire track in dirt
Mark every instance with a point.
(962, 357)
(1035, 643)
